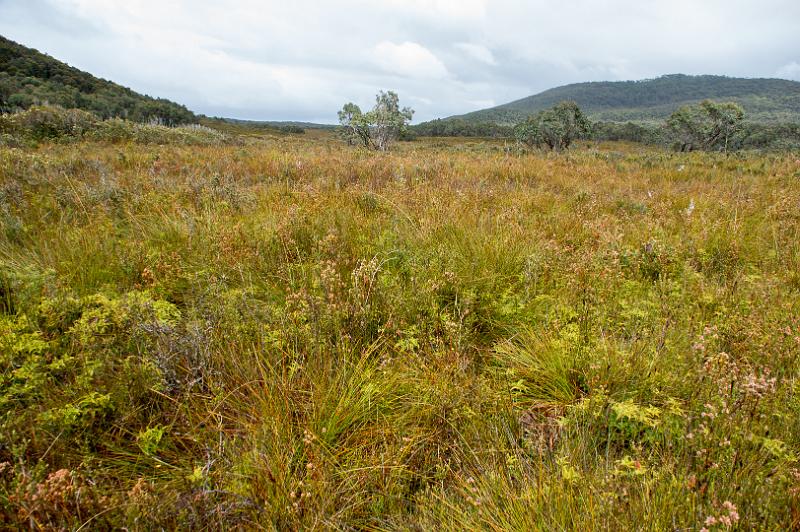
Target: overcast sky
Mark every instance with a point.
(302, 59)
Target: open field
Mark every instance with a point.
(293, 334)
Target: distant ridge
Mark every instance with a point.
(29, 77)
(278, 123)
(764, 100)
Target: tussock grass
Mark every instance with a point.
(291, 334)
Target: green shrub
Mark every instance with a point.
(48, 123)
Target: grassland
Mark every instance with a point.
(292, 334)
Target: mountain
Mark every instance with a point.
(764, 100)
(28, 77)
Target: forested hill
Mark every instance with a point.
(28, 77)
(764, 100)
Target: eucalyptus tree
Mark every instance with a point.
(379, 127)
(355, 129)
(387, 121)
(706, 126)
(555, 129)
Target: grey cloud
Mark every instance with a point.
(303, 59)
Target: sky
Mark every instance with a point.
(302, 60)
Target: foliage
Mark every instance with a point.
(770, 136)
(48, 123)
(707, 126)
(29, 78)
(253, 128)
(750, 135)
(555, 129)
(630, 132)
(455, 127)
(44, 122)
(386, 120)
(379, 127)
(288, 334)
(355, 127)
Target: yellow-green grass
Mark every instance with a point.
(294, 334)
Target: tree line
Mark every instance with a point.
(708, 125)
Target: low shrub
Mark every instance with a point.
(55, 124)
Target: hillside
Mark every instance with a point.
(29, 77)
(764, 100)
(279, 123)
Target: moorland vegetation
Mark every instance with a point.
(235, 326)
(287, 332)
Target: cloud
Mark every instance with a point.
(418, 99)
(409, 59)
(452, 9)
(478, 52)
(271, 59)
(789, 71)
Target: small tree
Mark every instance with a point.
(706, 126)
(355, 129)
(726, 120)
(554, 128)
(686, 127)
(379, 127)
(386, 120)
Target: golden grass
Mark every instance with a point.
(289, 333)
